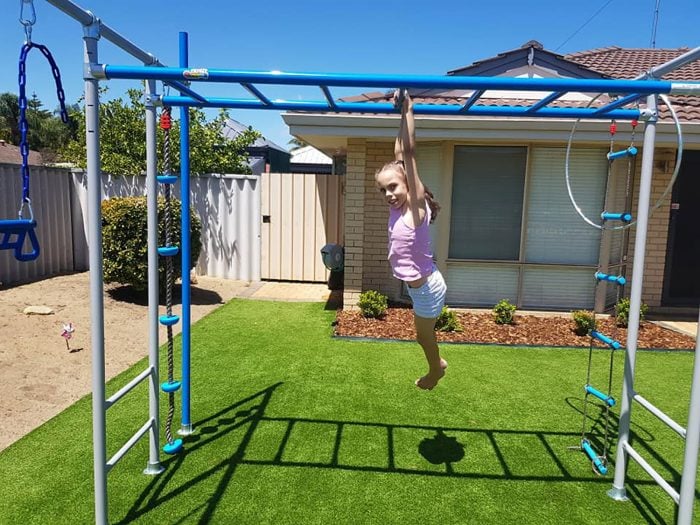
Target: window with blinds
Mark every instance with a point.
(487, 202)
(555, 233)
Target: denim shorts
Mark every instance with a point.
(429, 298)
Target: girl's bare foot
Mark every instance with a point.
(430, 381)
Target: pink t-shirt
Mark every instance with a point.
(410, 253)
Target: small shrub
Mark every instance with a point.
(373, 304)
(447, 321)
(622, 312)
(503, 312)
(125, 240)
(585, 321)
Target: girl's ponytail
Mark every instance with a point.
(434, 205)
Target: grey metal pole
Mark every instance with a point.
(153, 466)
(692, 441)
(672, 65)
(618, 490)
(97, 331)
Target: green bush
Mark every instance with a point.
(125, 240)
(373, 304)
(503, 312)
(447, 321)
(622, 312)
(585, 321)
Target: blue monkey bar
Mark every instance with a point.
(633, 89)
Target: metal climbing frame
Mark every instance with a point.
(180, 79)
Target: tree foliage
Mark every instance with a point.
(123, 141)
(46, 132)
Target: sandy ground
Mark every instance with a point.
(40, 376)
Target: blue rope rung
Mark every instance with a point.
(170, 386)
(605, 339)
(167, 179)
(597, 462)
(168, 251)
(21, 228)
(169, 320)
(608, 400)
(174, 447)
(629, 152)
(617, 279)
(623, 217)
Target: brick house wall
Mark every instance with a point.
(366, 215)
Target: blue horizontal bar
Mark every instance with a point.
(639, 87)
(384, 107)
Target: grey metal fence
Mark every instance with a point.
(230, 233)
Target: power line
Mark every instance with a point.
(655, 24)
(584, 24)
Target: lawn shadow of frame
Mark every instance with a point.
(416, 450)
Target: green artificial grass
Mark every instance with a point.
(293, 426)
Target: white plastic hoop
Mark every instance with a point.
(679, 157)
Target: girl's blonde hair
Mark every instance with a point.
(399, 166)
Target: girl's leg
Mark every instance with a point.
(425, 330)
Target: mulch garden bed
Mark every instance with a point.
(527, 330)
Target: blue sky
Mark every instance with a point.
(363, 36)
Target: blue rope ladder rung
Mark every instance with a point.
(174, 447)
(593, 456)
(170, 386)
(21, 229)
(617, 279)
(624, 216)
(629, 152)
(605, 339)
(607, 399)
(169, 320)
(166, 179)
(168, 251)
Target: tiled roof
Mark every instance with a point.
(10, 154)
(618, 62)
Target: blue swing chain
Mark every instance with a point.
(23, 124)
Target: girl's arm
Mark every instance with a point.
(407, 134)
(398, 144)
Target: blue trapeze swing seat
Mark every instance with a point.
(15, 233)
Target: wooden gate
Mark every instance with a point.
(300, 214)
